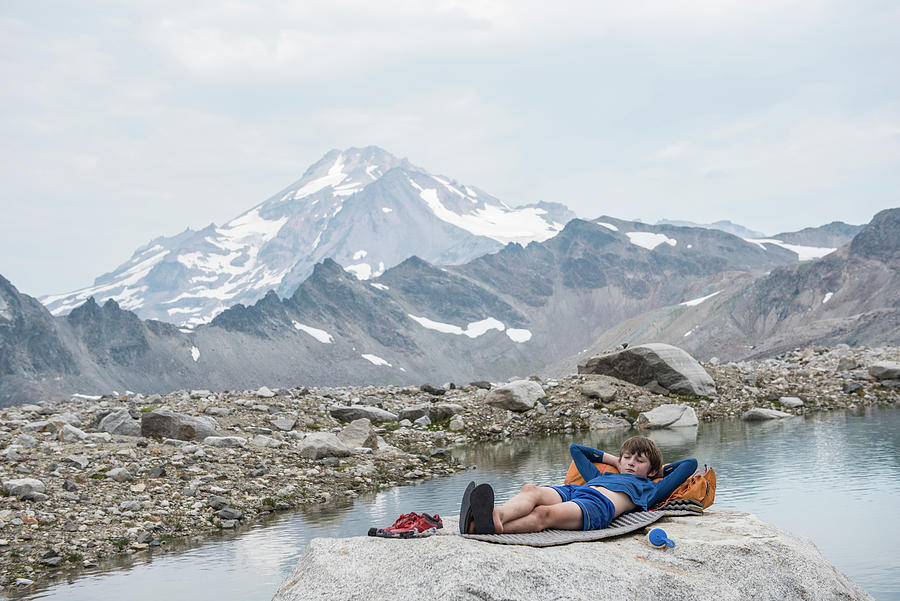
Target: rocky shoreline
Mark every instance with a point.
(97, 477)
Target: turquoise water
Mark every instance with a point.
(832, 477)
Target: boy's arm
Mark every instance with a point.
(678, 473)
(585, 457)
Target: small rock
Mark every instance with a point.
(225, 441)
(758, 414)
(354, 412)
(217, 502)
(119, 474)
(432, 389)
(791, 402)
(130, 505)
(456, 424)
(285, 424)
(598, 389)
(229, 513)
(265, 393)
(23, 488)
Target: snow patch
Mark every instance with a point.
(804, 253)
(86, 397)
(375, 360)
(320, 335)
(688, 333)
(473, 329)
(497, 222)
(697, 301)
(195, 353)
(827, 298)
(386, 210)
(335, 176)
(608, 226)
(649, 240)
(362, 271)
(360, 254)
(518, 335)
(379, 286)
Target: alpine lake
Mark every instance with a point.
(833, 477)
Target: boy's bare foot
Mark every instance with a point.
(498, 525)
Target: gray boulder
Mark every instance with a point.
(119, 474)
(443, 410)
(69, 433)
(758, 414)
(721, 555)
(285, 424)
(164, 423)
(518, 396)
(413, 413)
(606, 422)
(598, 389)
(885, 370)
(267, 442)
(228, 442)
(358, 434)
(322, 444)
(791, 402)
(668, 416)
(671, 367)
(349, 413)
(24, 488)
(120, 423)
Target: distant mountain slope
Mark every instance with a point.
(500, 315)
(362, 207)
(724, 225)
(850, 296)
(834, 234)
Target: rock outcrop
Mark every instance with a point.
(722, 555)
(668, 416)
(667, 365)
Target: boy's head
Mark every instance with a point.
(640, 456)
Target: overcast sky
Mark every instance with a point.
(122, 121)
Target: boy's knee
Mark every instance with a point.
(542, 513)
(529, 489)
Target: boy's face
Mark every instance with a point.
(636, 464)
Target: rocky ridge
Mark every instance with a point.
(82, 484)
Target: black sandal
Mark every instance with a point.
(482, 508)
(465, 509)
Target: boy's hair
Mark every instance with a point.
(641, 445)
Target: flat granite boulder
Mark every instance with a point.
(671, 368)
(721, 555)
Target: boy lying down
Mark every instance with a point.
(588, 506)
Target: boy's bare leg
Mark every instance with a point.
(523, 504)
(567, 516)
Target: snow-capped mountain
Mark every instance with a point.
(362, 207)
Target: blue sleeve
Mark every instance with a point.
(678, 472)
(584, 457)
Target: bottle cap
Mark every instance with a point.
(658, 539)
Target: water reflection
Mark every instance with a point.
(831, 477)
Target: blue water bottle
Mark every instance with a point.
(658, 539)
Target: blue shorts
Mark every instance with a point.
(598, 511)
